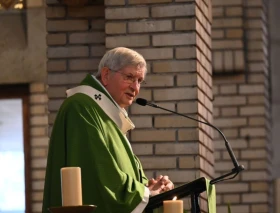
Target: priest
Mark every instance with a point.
(90, 132)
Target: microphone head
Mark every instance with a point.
(141, 101)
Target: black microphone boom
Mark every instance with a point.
(237, 168)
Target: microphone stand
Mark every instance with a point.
(237, 168)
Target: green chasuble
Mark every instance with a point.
(85, 136)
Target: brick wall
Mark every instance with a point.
(242, 105)
(38, 141)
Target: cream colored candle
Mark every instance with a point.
(71, 186)
(173, 206)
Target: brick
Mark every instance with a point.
(254, 176)
(86, 12)
(37, 87)
(148, 1)
(149, 26)
(145, 93)
(114, 2)
(259, 164)
(230, 122)
(174, 66)
(152, 135)
(234, 33)
(227, 44)
(217, 33)
(67, 25)
(239, 60)
(234, 11)
(229, 101)
(39, 152)
(185, 24)
(228, 60)
(142, 149)
(260, 208)
(54, 104)
(228, 89)
(252, 89)
(38, 109)
(255, 3)
(39, 120)
(38, 99)
(174, 39)
(233, 198)
(37, 196)
(257, 121)
(259, 186)
(97, 24)
(97, 51)
(185, 52)
(158, 163)
(173, 121)
(227, 23)
(56, 39)
(232, 187)
(188, 134)
(253, 132)
(254, 24)
(36, 207)
(55, 12)
(115, 28)
(218, 58)
(253, 154)
(252, 110)
(126, 13)
(217, 12)
(187, 80)
(128, 41)
(156, 53)
(189, 162)
(229, 111)
(87, 38)
(39, 163)
(39, 142)
(255, 197)
(175, 94)
(137, 109)
(38, 185)
(56, 65)
(84, 64)
(173, 10)
(234, 208)
(60, 79)
(187, 107)
(57, 92)
(142, 122)
(159, 80)
(68, 52)
(177, 148)
(226, 3)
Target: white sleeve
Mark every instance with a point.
(141, 206)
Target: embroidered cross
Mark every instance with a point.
(97, 96)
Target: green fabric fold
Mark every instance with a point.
(211, 196)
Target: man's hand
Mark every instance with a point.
(159, 185)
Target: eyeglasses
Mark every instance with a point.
(130, 79)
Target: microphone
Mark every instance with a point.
(237, 168)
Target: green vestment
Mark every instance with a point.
(85, 136)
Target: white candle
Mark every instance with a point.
(71, 186)
(173, 206)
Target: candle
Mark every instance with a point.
(71, 186)
(173, 206)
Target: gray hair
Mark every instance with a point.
(120, 57)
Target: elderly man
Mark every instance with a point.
(90, 133)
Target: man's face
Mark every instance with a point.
(124, 85)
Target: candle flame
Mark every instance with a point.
(174, 198)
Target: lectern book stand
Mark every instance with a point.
(192, 189)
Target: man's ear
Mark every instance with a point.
(104, 77)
